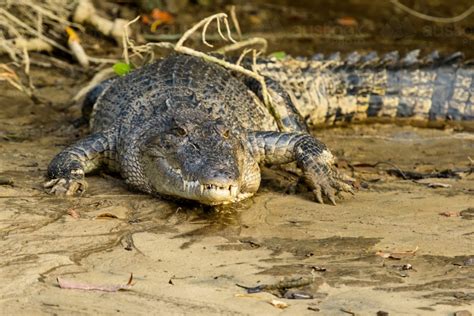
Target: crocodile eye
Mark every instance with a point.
(225, 133)
(222, 129)
(179, 131)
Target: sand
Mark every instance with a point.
(187, 259)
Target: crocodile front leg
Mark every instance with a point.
(68, 168)
(312, 156)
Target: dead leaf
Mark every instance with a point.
(146, 19)
(439, 185)
(279, 304)
(396, 255)
(347, 21)
(450, 214)
(106, 215)
(73, 213)
(161, 15)
(67, 284)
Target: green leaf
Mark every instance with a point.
(278, 55)
(122, 69)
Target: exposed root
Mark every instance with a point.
(40, 25)
(76, 48)
(98, 78)
(260, 41)
(233, 16)
(426, 17)
(85, 13)
(9, 75)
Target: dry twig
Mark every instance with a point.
(179, 47)
(423, 16)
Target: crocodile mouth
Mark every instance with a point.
(210, 193)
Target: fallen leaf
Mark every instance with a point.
(73, 213)
(396, 255)
(279, 304)
(347, 21)
(106, 215)
(67, 284)
(450, 214)
(439, 185)
(161, 15)
(146, 19)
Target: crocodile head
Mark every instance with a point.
(202, 161)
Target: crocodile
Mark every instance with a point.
(189, 129)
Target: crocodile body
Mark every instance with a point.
(186, 128)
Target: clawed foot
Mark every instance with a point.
(327, 182)
(66, 187)
(330, 186)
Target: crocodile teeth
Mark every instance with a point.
(190, 186)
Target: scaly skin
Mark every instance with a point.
(186, 128)
(426, 91)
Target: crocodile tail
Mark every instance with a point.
(368, 87)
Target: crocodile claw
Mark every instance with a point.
(66, 187)
(327, 183)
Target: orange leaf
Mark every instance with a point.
(163, 16)
(347, 21)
